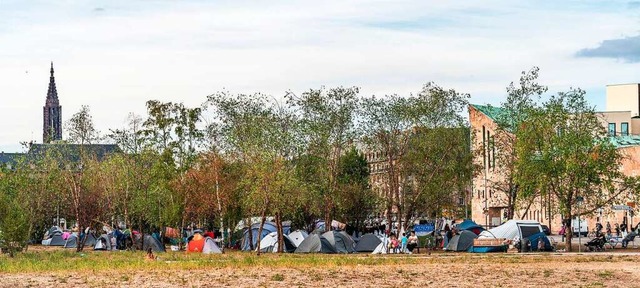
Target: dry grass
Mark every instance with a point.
(100, 269)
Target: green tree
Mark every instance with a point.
(81, 128)
(563, 150)
(357, 199)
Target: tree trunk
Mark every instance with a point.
(264, 219)
(568, 231)
(280, 233)
(250, 233)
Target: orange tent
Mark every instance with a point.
(196, 244)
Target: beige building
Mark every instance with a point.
(489, 207)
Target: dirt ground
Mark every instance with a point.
(460, 270)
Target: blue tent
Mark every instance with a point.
(266, 229)
(536, 238)
(469, 225)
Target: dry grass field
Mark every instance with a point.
(55, 268)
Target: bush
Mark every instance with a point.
(14, 228)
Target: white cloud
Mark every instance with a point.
(117, 57)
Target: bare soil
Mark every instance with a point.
(453, 270)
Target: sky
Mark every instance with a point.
(115, 55)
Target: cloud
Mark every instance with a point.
(626, 49)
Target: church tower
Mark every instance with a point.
(52, 113)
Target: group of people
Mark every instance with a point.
(404, 244)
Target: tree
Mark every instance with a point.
(513, 112)
(130, 139)
(356, 199)
(81, 128)
(327, 117)
(563, 150)
(393, 128)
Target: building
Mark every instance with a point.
(52, 137)
(489, 207)
(52, 113)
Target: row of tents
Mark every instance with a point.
(106, 242)
(512, 231)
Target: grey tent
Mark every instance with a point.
(270, 243)
(103, 243)
(72, 241)
(315, 244)
(368, 243)
(153, 243)
(340, 241)
(55, 239)
(210, 246)
(462, 242)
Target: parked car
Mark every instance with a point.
(546, 230)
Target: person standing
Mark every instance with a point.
(608, 229)
(403, 242)
(617, 230)
(447, 236)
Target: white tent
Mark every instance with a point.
(210, 247)
(382, 247)
(297, 236)
(270, 243)
(512, 229)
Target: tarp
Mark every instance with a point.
(423, 229)
(270, 243)
(468, 224)
(340, 240)
(513, 229)
(368, 243)
(462, 242)
(298, 236)
(153, 243)
(315, 244)
(210, 246)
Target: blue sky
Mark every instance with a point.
(115, 55)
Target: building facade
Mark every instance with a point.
(489, 205)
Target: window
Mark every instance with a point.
(612, 129)
(489, 148)
(484, 149)
(624, 129)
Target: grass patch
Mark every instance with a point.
(277, 277)
(606, 274)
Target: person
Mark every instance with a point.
(617, 230)
(598, 229)
(413, 242)
(623, 227)
(393, 243)
(150, 255)
(563, 231)
(447, 236)
(608, 229)
(403, 241)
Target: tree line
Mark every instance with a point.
(299, 158)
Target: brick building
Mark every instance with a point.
(489, 207)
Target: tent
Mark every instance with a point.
(268, 227)
(462, 242)
(72, 241)
(55, 239)
(196, 243)
(382, 247)
(368, 243)
(270, 243)
(535, 238)
(315, 244)
(153, 243)
(298, 236)
(340, 240)
(468, 224)
(103, 243)
(513, 229)
(210, 246)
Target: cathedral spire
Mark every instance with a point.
(52, 113)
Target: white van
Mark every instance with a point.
(583, 228)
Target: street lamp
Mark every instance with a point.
(579, 201)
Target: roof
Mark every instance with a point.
(492, 112)
(73, 151)
(625, 141)
(9, 159)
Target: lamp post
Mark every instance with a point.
(579, 201)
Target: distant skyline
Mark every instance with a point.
(115, 55)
